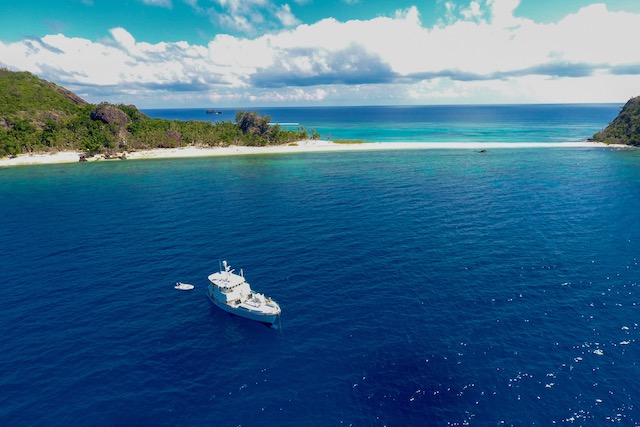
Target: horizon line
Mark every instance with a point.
(385, 105)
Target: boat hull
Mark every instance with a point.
(259, 317)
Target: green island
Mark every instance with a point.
(37, 116)
(625, 128)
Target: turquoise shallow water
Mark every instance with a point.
(428, 287)
(434, 123)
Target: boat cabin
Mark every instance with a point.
(229, 287)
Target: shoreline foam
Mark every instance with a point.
(307, 146)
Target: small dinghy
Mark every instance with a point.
(183, 286)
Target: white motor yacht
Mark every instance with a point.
(232, 293)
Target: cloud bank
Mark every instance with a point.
(483, 54)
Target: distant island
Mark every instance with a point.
(39, 116)
(625, 128)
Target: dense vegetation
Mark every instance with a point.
(625, 128)
(39, 116)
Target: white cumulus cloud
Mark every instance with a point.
(486, 54)
(247, 16)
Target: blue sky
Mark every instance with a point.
(238, 53)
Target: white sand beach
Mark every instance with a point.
(299, 147)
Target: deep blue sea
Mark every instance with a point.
(418, 288)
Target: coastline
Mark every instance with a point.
(306, 146)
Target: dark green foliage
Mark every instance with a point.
(36, 115)
(132, 112)
(625, 128)
(22, 92)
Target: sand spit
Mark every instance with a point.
(299, 147)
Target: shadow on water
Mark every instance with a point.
(218, 314)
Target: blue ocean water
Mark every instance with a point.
(436, 123)
(428, 287)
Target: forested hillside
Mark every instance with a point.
(40, 116)
(625, 128)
